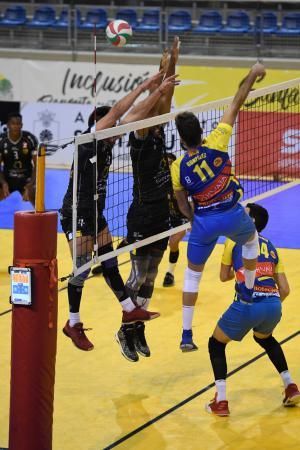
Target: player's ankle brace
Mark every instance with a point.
(274, 352)
(218, 358)
(173, 257)
(191, 280)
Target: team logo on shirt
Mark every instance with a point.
(217, 162)
(25, 148)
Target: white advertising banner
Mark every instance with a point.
(68, 82)
(56, 124)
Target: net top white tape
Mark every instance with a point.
(153, 121)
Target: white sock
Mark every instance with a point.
(286, 378)
(187, 316)
(127, 305)
(74, 318)
(142, 302)
(171, 268)
(221, 390)
(249, 278)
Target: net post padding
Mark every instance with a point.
(34, 334)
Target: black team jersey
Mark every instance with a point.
(85, 181)
(17, 156)
(151, 174)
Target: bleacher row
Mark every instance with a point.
(210, 22)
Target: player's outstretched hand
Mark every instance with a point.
(153, 81)
(259, 71)
(169, 82)
(164, 62)
(175, 48)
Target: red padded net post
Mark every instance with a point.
(34, 333)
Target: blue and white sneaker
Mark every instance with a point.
(243, 293)
(187, 344)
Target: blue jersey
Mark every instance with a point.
(207, 174)
(268, 264)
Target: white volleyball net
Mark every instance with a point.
(264, 149)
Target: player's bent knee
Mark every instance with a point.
(112, 262)
(250, 249)
(215, 347)
(191, 280)
(266, 343)
(79, 280)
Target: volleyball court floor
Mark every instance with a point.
(104, 401)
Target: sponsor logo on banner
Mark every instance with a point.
(271, 142)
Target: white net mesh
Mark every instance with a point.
(264, 149)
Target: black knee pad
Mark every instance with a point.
(267, 343)
(215, 347)
(112, 262)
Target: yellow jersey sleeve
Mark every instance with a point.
(219, 138)
(279, 268)
(227, 253)
(175, 174)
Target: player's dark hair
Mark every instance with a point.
(13, 115)
(259, 214)
(171, 156)
(101, 111)
(189, 129)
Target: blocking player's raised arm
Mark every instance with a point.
(142, 109)
(257, 72)
(164, 104)
(123, 105)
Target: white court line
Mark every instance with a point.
(171, 231)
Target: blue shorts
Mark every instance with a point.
(261, 316)
(233, 223)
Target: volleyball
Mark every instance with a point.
(118, 32)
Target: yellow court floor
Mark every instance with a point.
(100, 397)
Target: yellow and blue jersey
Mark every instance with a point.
(207, 174)
(268, 264)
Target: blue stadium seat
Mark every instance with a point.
(209, 22)
(129, 15)
(150, 21)
(238, 22)
(290, 25)
(14, 16)
(94, 18)
(267, 23)
(180, 21)
(64, 18)
(43, 17)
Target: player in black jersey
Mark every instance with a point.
(148, 213)
(18, 149)
(177, 219)
(106, 117)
